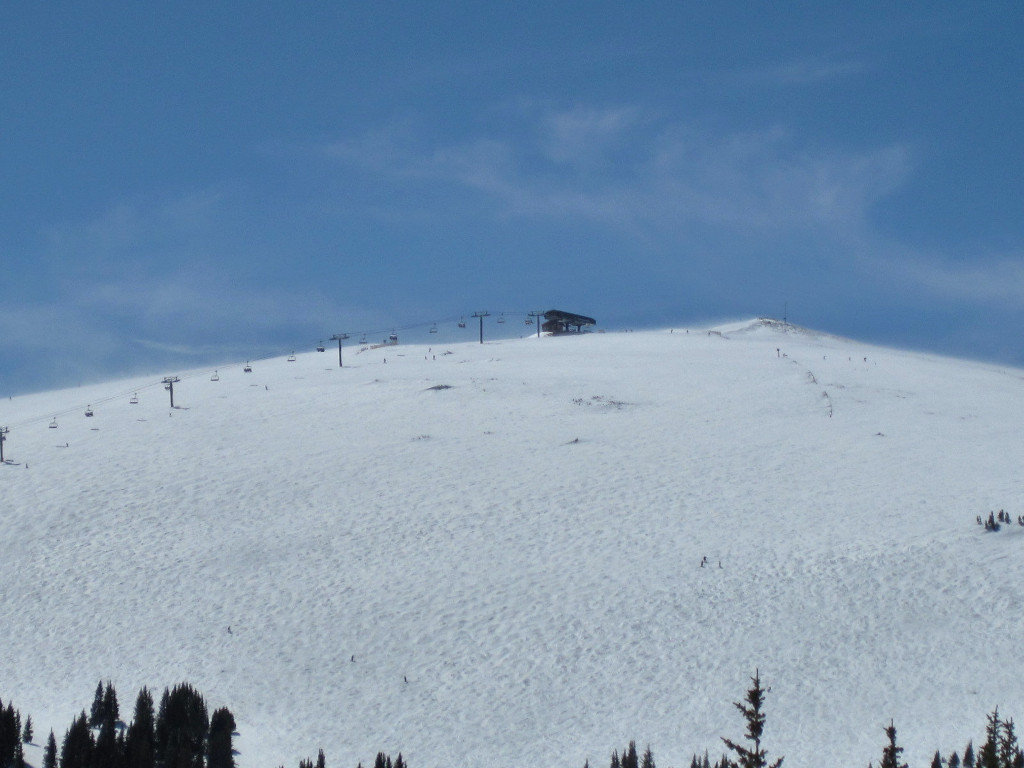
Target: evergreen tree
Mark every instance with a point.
(954, 761)
(96, 712)
(321, 761)
(969, 755)
(937, 760)
(988, 756)
(139, 748)
(8, 733)
(756, 757)
(78, 746)
(222, 725)
(109, 708)
(615, 759)
(648, 759)
(182, 725)
(26, 734)
(107, 752)
(50, 753)
(891, 753)
(399, 762)
(1009, 751)
(629, 756)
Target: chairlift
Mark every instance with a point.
(320, 347)
(363, 339)
(248, 368)
(134, 399)
(393, 338)
(53, 424)
(529, 321)
(462, 322)
(88, 411)
(215, 377)
(291, 357)
(433, 328)
(501, 318)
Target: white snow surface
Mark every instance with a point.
(524, 548)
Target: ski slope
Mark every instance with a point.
(490, 555)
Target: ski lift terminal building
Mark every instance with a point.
(557, 322)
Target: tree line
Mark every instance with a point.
(181, 734)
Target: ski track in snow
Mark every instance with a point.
(524, 548)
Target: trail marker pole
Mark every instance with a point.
(481, 315)
(339, 337)
(3, 437)
(537, 316)
(169, 381)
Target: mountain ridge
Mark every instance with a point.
(524, 547)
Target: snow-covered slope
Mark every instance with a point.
(524, 548)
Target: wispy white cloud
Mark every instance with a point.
(618, 167)
(796, 73)
(986, 278)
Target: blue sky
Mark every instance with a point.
(191, 183)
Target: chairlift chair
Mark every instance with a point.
(433, 328)
(134, 399)
(88, 411)
(529, 321)
(501, 318)
(53, 424)
(215, 377)
(291, 357)
(248, 368)
(393, 338)
(320, 347)
(462, 322)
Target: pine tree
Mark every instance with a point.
(109, 707)
(77, 749)
(321, 761)
(648, 759)
(988, 756)
(756, 757)
(954, 761)
(222, 725)
(937, 760)
(26, 734)
(50, 753)
(96, 712)
(10, 733)
(891, 753)
(1009, 751)
(399, 762)
(615, 759)
(969, 755)
(139, 747)
(629, 757)
(182, 726)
